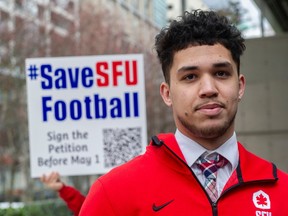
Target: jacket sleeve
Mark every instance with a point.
(73, 198)
(97, 202)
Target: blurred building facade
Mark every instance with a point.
(56, 18)
(47, 18)
(149, 15)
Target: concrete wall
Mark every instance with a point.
(262, 120)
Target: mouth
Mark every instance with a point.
(210, 109)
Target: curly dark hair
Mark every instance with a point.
(197, 28)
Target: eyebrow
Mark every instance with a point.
(187, 68)
(222, 64)
(215, 65)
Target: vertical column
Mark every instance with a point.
(77, 25)
(11, 29)
(47, 23)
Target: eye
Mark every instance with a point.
(222, 74)
(190, 77)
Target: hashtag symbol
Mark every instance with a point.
(33, 72)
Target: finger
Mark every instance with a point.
(50, 177)
(54, 177)
(42, 178)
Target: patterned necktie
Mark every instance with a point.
(209, 168)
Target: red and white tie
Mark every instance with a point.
(209, 168)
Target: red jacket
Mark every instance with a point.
(73, 198)
(161, 183)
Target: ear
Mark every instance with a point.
(165, 93)
(242, 84)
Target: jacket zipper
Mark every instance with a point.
(213, 204)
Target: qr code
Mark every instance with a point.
(121, 145)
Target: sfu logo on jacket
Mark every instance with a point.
(261, 201)
(161, 183)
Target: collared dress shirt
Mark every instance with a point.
(192, 151)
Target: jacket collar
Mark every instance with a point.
(170, 142)
(251, 168)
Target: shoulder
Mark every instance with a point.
(283, 176)
(120, 182)
(125, 171)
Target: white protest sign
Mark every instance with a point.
(87, 114)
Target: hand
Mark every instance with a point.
(52, 181)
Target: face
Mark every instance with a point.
(204, 92)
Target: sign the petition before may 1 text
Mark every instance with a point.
(86, 114)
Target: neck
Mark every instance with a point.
(210, 143)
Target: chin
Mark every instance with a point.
(212, 131)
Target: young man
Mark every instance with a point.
(201, 169)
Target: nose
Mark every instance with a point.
(207, 87)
